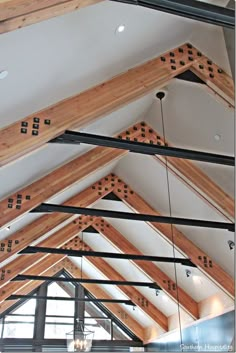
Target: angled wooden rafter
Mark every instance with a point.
(211, 74)
(55, 182)
(27, 288)
(58, 264)
(100, 264)
(36, 229)
(48, 267)
(98, 292)
(149, 268)
(58, 239)
(185, 246)
(131, 292)
(69, 233)
(92, 310)
(193, 177)
(35, 130)
(15, 14)
(110, 183)
(80, 167)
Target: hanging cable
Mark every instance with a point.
(81, 262)
(160, 96)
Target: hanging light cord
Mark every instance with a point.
(172, 230)
(81, 263)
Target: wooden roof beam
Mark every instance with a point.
(69, 234)
(48, 267)
(216, 79)
(36, 229)
(9, 288)
(98, 292)
(24, 262)
(55, 182)
(131, 292)
(185, 246)
(21, 137)
(149, 268)
(192, 176)
(15, 14)
(58, 263)
(48, 222)
(26, 289)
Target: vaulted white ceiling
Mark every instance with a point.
(55, 59)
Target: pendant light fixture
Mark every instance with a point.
(80, 339)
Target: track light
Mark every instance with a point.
(188, 273)
(231, 244)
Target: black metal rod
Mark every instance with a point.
(85, 280)
(195, 10)
(61, 343)
(79, 253)
(45, 207)
(97, 300)
(72, 137)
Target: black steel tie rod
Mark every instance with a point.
(85, 280)
(48, 208)
(195, 10)
(80, 253)
(118, 301)
(72, 137)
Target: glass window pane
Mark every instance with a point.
(100, 327)
(60, 320)
(58, 327)
(27, 307)
(17, 319)
(57, 331)
(18, 330)
(59, 307)
(92, 310)
(119, 334)
(55, 290)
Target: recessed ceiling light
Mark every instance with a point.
(3, 74)
(217, 137)
(120, 29)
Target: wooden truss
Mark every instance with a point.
(110, 183)
(15, 14)
(55, 182)
(57, 264)
(37, 129)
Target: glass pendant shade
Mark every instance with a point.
(79, 340)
